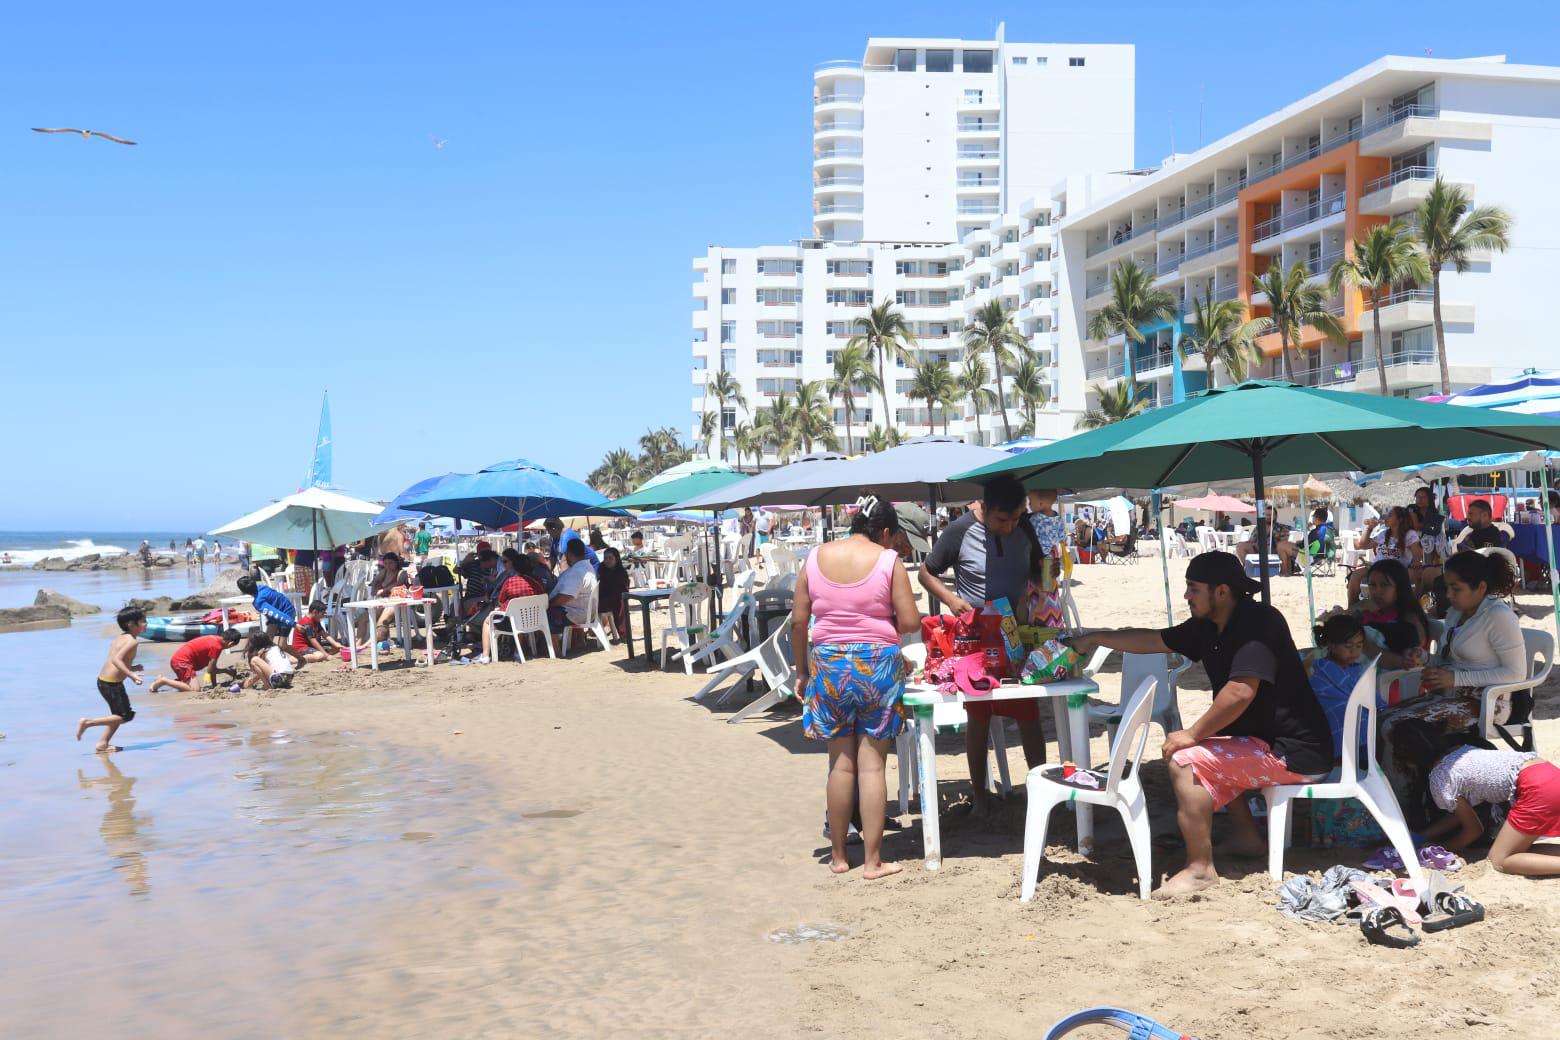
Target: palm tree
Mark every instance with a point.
(745, 441)
(1220, 332)
(852, 372)
(661, 449)
(617, 475)
(883, 331)
(1134, 305)
(725, 389)
(1295, 303)
(1450, 232)
(1386, 256)
(972, 380)
(775, 427)
(708, 423)
(879, 439)
(814, 416)
(993, 330)
(1031, 386)
(934, 383)
(1119, 401)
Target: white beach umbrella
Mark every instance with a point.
(312, 519)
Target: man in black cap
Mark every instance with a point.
(1264, 728)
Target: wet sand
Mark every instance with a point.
(575, 848)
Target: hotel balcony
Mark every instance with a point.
(1217, 253)
(1398, 192)
(1408, 308)
(1270, 235)
(841, 69)
(1413, 126)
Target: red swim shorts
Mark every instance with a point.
(1536, 809)
(1227, 767)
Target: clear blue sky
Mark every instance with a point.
(170, 313)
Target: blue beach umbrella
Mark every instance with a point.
(395, 513)
(515, 491)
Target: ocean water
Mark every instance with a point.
(28, 547)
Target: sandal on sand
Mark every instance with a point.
(1135, 1025)
(1385, 926)
(1452, 911)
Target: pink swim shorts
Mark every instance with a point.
(1230, 766)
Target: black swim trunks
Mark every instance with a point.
(118, 700)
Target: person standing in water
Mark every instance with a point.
(119, 666)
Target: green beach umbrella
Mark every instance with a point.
(1267, 428)
(679, 489)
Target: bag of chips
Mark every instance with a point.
(1049, 662)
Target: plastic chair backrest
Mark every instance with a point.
(1137, 667)
(1437, 634)
(774, 659)
(527, 614)
(1541, 645)
(1507, 555)
(914, 652)
(1362, 700)
(1133, 730)
(784, 583)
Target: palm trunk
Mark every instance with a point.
(888, 414)
(1283, 353)
(1381, 357)
(847, 424)
(979, 437)
(996, 363)
(1440, 330)
(1208, 365)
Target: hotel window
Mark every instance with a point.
(728, 333)
(904, 59)
(849, 266)
(977, 61)
(939, 61)
(728, 418)
(781, 266)
(1019, 59)
(728, 296)
(1076, 63)
(728, 267)
(728, 360)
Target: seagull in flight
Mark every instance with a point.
(84, 133)
(440, 142)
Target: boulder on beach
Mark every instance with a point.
(162, 606)
(223, 584)
(99, 562)
(50, 598)
(33, 615)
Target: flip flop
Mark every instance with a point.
(1385, 926)
(1384, 859)
(1453, 911)
(1405, 901)
(1436, 857)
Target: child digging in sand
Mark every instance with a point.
(198, 655)
(111, 678)
(269, 667)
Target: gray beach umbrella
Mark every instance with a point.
(916, 471)
(771, 488)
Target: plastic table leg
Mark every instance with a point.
(926, 772)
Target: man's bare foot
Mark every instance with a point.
(839, 866)
(81, 727)
(104, 749)
(1186, 883)
(882, 870)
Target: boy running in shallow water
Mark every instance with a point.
(111, 678)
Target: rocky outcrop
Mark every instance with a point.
(50, 598)
(99, 562)
(32, 615)
(162, 606)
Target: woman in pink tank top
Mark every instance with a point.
(857, 596)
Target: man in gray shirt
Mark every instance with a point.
(991, 552)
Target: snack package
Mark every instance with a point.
(1049, 662)
(1032, 636)
(1011, 643)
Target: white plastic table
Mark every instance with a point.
(227, 602)
(1069, 699)
(404, 607)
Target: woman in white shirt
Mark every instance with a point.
(1483, 647)
(1394, 539)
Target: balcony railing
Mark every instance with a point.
(1097, 290)
(831, 181)
(985, 153)
(1407, 173)
(1406, 296)
(838, 63)
(1137, 230)
(1214, 201)
(1299, 218)
(978, 207)
(979, 127)
(1110, 371)
(1149, 362)
(977, 182)
(1169, 264)
(1322, 264)
(1226, 292)
(843, 99)
(1393, 118)
(1398, 359)
(839, 153)
(1211, 247)
(824, 211)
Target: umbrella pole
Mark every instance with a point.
(1262, 525)
(932, 603)
(1310, 596)
(1164, 556)
(1549, 546)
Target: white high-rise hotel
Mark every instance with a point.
(947, 172)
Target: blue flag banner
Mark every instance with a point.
(319, 470)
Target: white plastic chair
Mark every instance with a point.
(1134, 669)
(778, 670)
(1537, 644)
(1511, 563)
(1353, 779)
(1177, 546)
(785, 562)
(1121, 790)
(722, 641)
(591, 626)
(690, 597)
(527, 615)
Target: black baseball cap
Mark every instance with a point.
(1221, 568)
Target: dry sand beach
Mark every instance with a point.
(575, 848)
